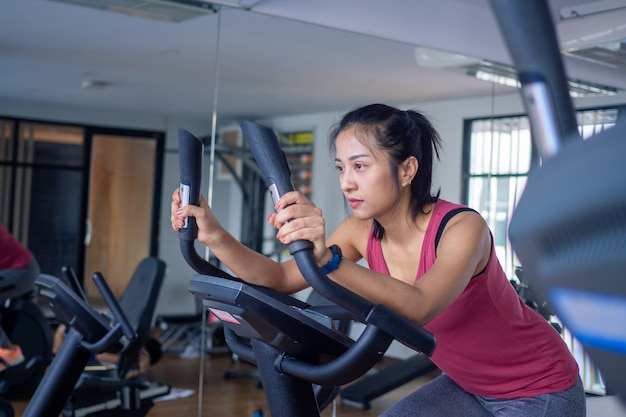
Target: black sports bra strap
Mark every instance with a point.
(445, 221)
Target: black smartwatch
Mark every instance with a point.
(334, 261)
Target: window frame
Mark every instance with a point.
(535, 160)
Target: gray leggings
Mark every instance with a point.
(442, 397)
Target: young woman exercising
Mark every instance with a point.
(430, 260)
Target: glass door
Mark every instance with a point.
(41, 172)
(86, 197)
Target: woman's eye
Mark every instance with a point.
(338, 168)
(358, 166)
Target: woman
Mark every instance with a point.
(430, 260)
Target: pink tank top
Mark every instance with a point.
(13, 255)
(488, 341)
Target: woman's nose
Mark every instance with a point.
(347, 182)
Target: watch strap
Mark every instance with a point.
(334, 262)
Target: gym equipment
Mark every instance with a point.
(323, 394)
(89, 332)
(107, 391)
(293, 344)
(26, 325)
(528, 297)
(361, 393)
(569, 228)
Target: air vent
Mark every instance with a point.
(166, 10)
(611, 54)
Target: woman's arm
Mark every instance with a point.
(463, 251)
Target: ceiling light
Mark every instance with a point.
(586, 89)
(496, 78)
(507, 75)
(496, 72)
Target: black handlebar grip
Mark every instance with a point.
(190, 151)
(265, 147)
(528, 30)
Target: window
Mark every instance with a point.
(62, 186)
(498, 155)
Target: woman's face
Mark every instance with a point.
(364, 175)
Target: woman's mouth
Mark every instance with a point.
(354, 203)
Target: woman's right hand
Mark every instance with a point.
(209, 228)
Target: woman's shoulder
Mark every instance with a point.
(458, 214)
(444, 206)
(352, 234)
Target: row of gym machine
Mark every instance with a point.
(296, 350)
(63, 383)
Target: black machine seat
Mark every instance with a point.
(15, 287)
(139, 302)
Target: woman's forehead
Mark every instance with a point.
(358, 140)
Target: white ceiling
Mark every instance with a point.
(271, 62)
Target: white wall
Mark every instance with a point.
(446, 115)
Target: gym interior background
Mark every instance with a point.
(130, 107)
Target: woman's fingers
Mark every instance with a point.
(292, 197)
(178, 213)
(299, 219)
(176, 219)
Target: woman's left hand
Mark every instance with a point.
(297, 218)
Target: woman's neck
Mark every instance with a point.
(401, 229)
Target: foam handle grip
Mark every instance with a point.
(190, 151)
(266, 150)
(271, 160)
(530, 35)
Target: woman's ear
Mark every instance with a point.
(408, 170)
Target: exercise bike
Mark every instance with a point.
(293, 344)
(25, 325)
(89, 332)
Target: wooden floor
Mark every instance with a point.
(238, 397)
